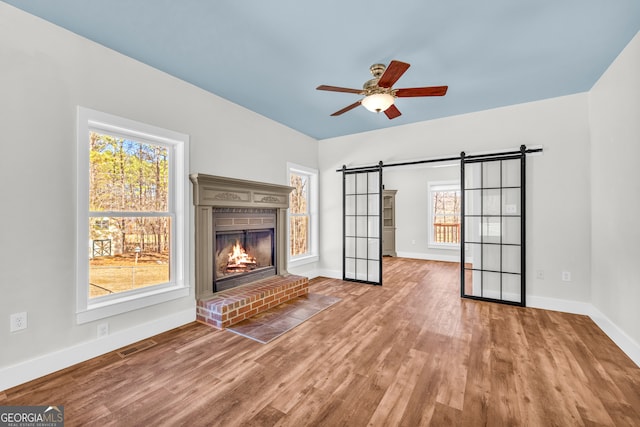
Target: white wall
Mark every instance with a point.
(614, 107)
(45, 73)
(558, 198)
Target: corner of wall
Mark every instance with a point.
(627, 344)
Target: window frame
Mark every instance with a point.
(312, 204)
(90, 309)
(435, 186)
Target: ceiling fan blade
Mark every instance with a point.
(393, 72)
(345, 109)
(422, 91)
(392, 112)
(339, 89)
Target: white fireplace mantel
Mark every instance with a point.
(211, 192)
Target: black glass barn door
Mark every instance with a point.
(362, 225)
(493, 228)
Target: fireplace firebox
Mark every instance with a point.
(244, 246)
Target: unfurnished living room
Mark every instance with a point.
(329, 214)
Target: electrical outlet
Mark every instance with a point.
(18, 321)
(566, 276)
(540, 274)
(103, 330)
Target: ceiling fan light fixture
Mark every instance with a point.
(379, 94)
(378, 102)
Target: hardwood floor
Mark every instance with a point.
(408, 353)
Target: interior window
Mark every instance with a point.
(444, 213)
(303, 214)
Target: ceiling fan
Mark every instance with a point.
(378, 92)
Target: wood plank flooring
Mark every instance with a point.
(409, 353)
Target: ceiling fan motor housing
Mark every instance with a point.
(377, 70)
(371, 86)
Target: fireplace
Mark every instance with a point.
(243, 246)
(233, 216)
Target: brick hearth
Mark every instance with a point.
(234, 305)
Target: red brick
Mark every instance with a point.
(237, 304)
(212, 323)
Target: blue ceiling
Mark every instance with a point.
(269, 56)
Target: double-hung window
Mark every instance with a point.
(444, 214)
(303, 206)
(132, 223)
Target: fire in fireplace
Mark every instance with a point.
(240, 261)
(244, 246)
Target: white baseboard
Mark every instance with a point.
(563, 305)
(331, 274)
(28, 370)
(311, 274)
(627, 344)
(431, 257)
(337, 274)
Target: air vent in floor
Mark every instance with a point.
(135, 348)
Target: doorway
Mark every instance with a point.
(492, 227)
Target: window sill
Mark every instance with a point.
(296, 262)
(130, 303)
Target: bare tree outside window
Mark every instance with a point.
(299, 215)
(128, 208)
(446, 216)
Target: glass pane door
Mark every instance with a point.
(362, 226)
(493, 254)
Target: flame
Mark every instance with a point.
(238, 257)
